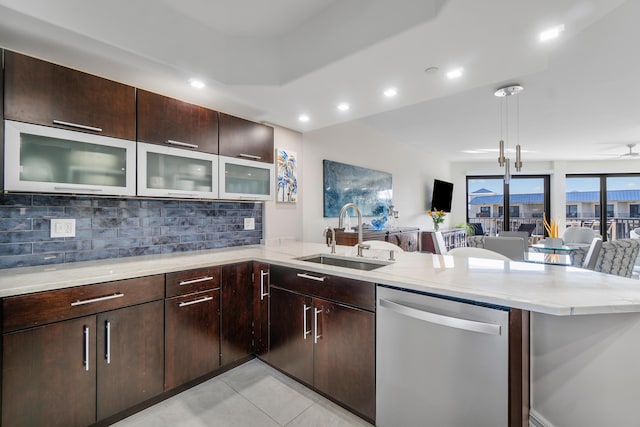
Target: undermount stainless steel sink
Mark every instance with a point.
(365, 264)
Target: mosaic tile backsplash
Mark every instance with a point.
(117, 228)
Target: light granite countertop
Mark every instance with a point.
(535, 287)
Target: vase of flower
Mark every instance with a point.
(437, 217)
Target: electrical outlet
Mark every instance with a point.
(249, 223)
(63, 227)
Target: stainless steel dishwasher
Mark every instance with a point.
(440, 362)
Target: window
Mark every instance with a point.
(572, 211)
(522, 201)
(634, 211)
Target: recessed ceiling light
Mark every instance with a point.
(303, 118)
(343, 106)
(551, 33)
(454, 74)
(198, 84)
(390, 92)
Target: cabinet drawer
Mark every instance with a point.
(347, 291)
(189, 281)
(25, 311)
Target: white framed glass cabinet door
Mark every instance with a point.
(173, 172)
(246, 179)
(45, 159)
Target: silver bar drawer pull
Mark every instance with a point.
(195, 301)
(180, 143)
(262, 292)
(76, 125)
(76, 189)
(439, 319)
(107, 354)
(99, 299)
(85, 355)
(304, 321)
(250, 156)
(316, 335)
(309, 276)
(192, 281)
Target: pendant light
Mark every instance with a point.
(504, 93)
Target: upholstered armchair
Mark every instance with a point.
(578, 235)
(618, 257)
(475, 241)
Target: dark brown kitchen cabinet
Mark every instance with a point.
(43, 93)
(46, 379)
(260, 309)
(344, 355)
(192, 325)
(130, 357)
(245, 139)
(237, 312)
(79, 355)
(167, 121)
(291, 339)
(322, 332)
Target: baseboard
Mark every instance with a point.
(537, 420)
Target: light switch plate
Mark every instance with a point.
(63, 227)
(249, 223)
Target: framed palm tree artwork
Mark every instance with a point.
(286, 176)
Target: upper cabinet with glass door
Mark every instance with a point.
(170, 122)
(51, 95)
(46, 159)
(174, 172)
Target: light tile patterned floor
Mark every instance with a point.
(253, 394)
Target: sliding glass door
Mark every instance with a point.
(610, 204)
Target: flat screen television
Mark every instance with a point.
(442, 195)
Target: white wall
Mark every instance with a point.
(284, 220)
(556, 169)
(413, 172)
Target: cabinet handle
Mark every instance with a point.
(107, 354)
(316, 336)
(195, 301)
(180, 143)
(76, 125)
(262, 292)
(92, 300)
(309, 276)
(304, 322)
(75, 189)
(85, 350)
(192, 281)
(182, 194)
(250, 156)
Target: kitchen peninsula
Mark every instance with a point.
(585, 326)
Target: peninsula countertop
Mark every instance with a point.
(538, 288)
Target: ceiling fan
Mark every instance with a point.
(631, 153)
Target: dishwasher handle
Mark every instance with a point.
(439, 319)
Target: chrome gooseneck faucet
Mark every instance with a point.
(343, 211)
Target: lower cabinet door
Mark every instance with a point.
(49, 375)
(130, 357)
(261, 309)
(291, 339)
(237, 312)
(344, 359)
(192, 337)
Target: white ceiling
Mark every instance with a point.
(274, 60)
